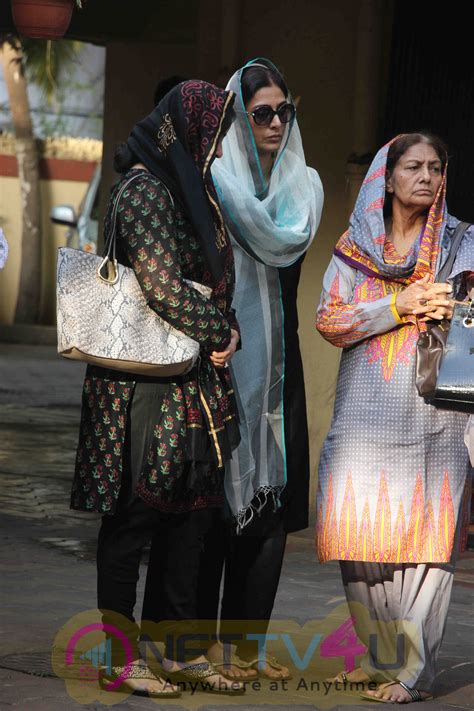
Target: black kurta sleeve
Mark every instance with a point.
(147, 229)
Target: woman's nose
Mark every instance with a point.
(275, 122)
(425, 173)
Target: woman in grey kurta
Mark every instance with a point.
(394, 473)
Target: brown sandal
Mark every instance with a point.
(273, 663)
(200, 672)
(235, 661)
(343, 677)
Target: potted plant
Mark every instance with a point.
(43, 19)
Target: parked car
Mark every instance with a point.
(84, 227)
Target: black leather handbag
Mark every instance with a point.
(455, 384)
(445, 351)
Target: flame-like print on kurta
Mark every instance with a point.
(333, 530)
(325, 540)
(399, 538)
(430, 544)
(415, 524)
(348, 523)
(343, 535)
(382, 524)
(446, 520)
(364, 536)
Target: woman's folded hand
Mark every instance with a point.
(220, 358)
(410, 298)
(434, 304)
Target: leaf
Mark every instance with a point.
(44, 60)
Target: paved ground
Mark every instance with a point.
(48, 577)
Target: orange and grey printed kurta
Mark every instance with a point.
(394, 476)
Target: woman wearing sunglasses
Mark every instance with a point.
(272, 205)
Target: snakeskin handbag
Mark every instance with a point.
(103, 317)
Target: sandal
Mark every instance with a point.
(201, 671)
(235, 661)
(273, 663)
(343, 677)
(135, 671)
(413, 693)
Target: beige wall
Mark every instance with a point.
(53, 192)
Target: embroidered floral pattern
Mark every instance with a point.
(166, 134)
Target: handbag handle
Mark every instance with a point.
(453, 248)
(108, 269)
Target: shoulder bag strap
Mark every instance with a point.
(108, 270)
(458, 234)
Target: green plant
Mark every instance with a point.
(43, 60)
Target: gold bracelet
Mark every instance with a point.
(393, 308)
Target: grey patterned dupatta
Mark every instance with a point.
(271, 226)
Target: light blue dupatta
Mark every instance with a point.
(271, 226)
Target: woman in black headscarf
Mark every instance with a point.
(152, 451)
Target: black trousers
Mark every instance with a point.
(252, 573)
(172, 578)
(176, 540)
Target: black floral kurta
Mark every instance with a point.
(196, 426)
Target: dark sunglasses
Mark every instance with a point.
(263, 116)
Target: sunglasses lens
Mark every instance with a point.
(286, 113)
(263, 115)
